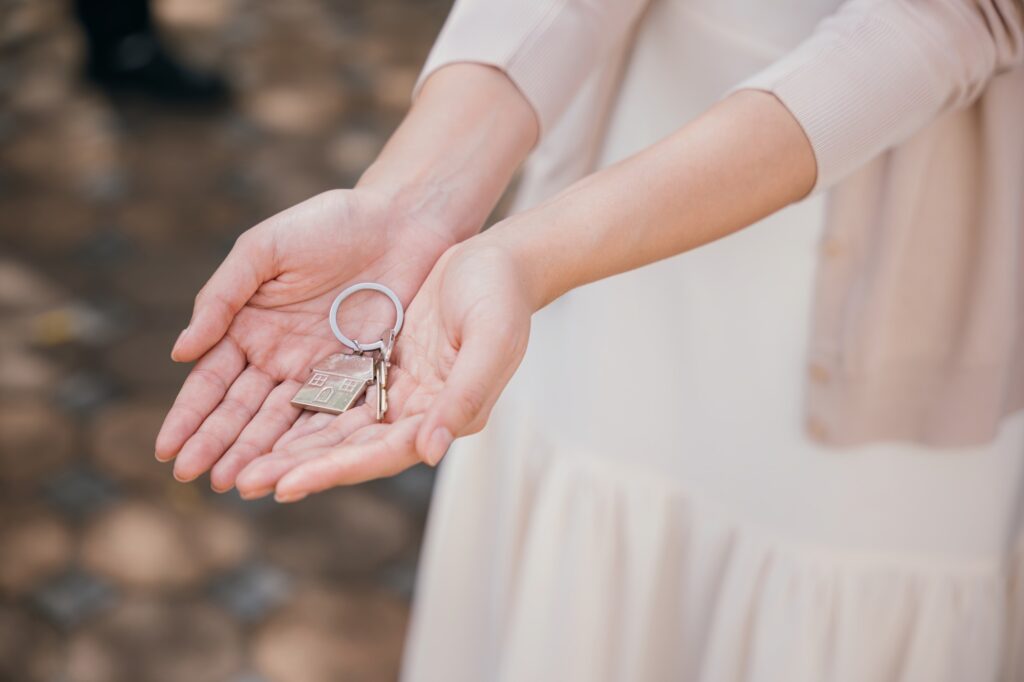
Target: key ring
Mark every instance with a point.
(364, 286)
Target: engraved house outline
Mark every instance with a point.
(346, 385)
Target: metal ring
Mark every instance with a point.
(364, 286)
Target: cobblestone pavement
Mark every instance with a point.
(111, 217)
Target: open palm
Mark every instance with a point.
(465, 335)
(261, 322)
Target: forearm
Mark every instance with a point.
(742, 160)
(457, 149)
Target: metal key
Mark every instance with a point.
(337, 382)
(381, 372)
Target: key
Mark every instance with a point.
(381, 374)
(382, 390)
(336, 383)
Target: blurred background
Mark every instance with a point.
(118, 197)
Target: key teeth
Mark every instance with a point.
(380, 378)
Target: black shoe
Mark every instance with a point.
(139, 64)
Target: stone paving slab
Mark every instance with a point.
(112, 215)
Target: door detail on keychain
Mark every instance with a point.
(338, 381)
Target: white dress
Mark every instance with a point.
(645, 504)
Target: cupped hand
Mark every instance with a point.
(260, 322)
(465, 334)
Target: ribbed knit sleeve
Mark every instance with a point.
(547, 47)
(876, 71)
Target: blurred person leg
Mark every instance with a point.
(125, 54)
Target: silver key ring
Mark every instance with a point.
(365, 286)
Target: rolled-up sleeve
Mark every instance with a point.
(876, 71)
(548, 48)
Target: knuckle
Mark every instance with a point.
(210, 377)
(477, 425)
(472, 399)
(216, 440)
(249, 245)
(275, 419)
(187, 411)
(241, 451)
(247, 239)
(332, 196)
(234, 408)
(209, 297)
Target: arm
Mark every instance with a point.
(743, 159)
(258, 324)
(866, 79)
(467, 329)
(548, 48)
(467, 132)
(877, 71)
(433, 185)
(442, 170)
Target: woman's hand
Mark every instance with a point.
(467, 329)
(259, 324)
(464, 337)
(261, 321)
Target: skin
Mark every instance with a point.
(259, 323)
(468, 327)
(468, 334)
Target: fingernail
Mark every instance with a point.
(438, 444)
(293, 497)
(255, 494)
(178, 341)
(181, 478)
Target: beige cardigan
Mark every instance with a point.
(916, 116)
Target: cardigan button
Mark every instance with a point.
(819, 372)
(816, 428)
(831, 248)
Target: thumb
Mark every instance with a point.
(486, 361)
(246, 267)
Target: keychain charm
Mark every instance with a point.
(337, 382)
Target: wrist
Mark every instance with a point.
(454, 154)
(543, 274)
(413, 206)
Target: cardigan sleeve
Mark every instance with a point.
(546, 47)
(876, 71)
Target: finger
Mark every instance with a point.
(375, 451)
(275, 417)
(202, 391)
(247, 266)
(481, 370)
(225, 423)
(261, 475)
(309, 422)
(336, 429)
